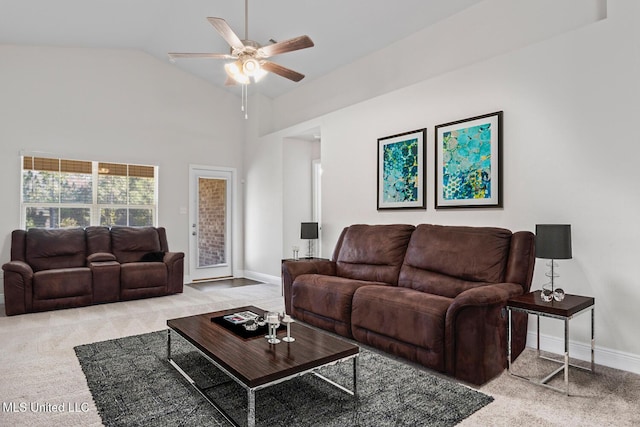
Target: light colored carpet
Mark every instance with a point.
(39, 369)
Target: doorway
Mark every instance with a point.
(316, 198)
(210, 200)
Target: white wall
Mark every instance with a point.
(297, 202)
(570, 103)
(270, 229)
(114, 105)
(488, 29)
(263, 189)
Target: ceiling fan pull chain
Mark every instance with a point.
(246, 102)
(243, 88)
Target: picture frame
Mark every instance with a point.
(401, 171)
(468, 156)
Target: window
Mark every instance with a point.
(59, 193)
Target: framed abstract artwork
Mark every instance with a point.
(401, 171)
(469, 163)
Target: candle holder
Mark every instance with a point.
(273, 321)
(288, 320)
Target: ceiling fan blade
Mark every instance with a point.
(290, 45)
(226, 32)
(174, 55)
(282, 71)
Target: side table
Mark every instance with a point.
(569, 307)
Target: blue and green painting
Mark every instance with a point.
(466, 163)
(400, 172)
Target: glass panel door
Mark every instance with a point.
(212, 204)
(210, 239)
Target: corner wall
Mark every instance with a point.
(116, 106)
(570, 102)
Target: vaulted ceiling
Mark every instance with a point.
(342, 30)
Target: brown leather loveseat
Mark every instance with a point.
(432, 294)
(62, 268)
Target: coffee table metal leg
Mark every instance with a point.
(251, 407)
(354, 389)
(355, 376)
(168, 344)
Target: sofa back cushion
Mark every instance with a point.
(446, 260)
(98, 239)
(130, 244)
(48, 249)
(372, 252)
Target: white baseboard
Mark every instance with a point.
(261, 277)
(582, 351)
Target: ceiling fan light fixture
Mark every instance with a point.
(250, 67)
(258, 75)
(234, 70)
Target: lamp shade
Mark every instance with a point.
(309, 230)
(553, 241)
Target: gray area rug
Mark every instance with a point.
(133, 385)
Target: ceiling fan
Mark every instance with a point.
(249, 57)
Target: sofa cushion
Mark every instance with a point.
(130, 244)
(434, 283)
(373, 252)
(382, 315)
(326, 296)
(446, 260)
(98, 239)
(143, 275)
(55, 248)
(62, 283)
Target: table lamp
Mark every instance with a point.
(553, 241)
(309, 230)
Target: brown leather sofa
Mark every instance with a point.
(61, 268)
(432, 294)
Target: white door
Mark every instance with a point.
(210, 223)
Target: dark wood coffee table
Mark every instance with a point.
(253, 362)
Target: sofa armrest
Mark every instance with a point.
(293, 269)
(486, 295)
(19, 267)
(475, 324)
(18, 287)
(171, 257)
(100, 257)
(175, 270)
